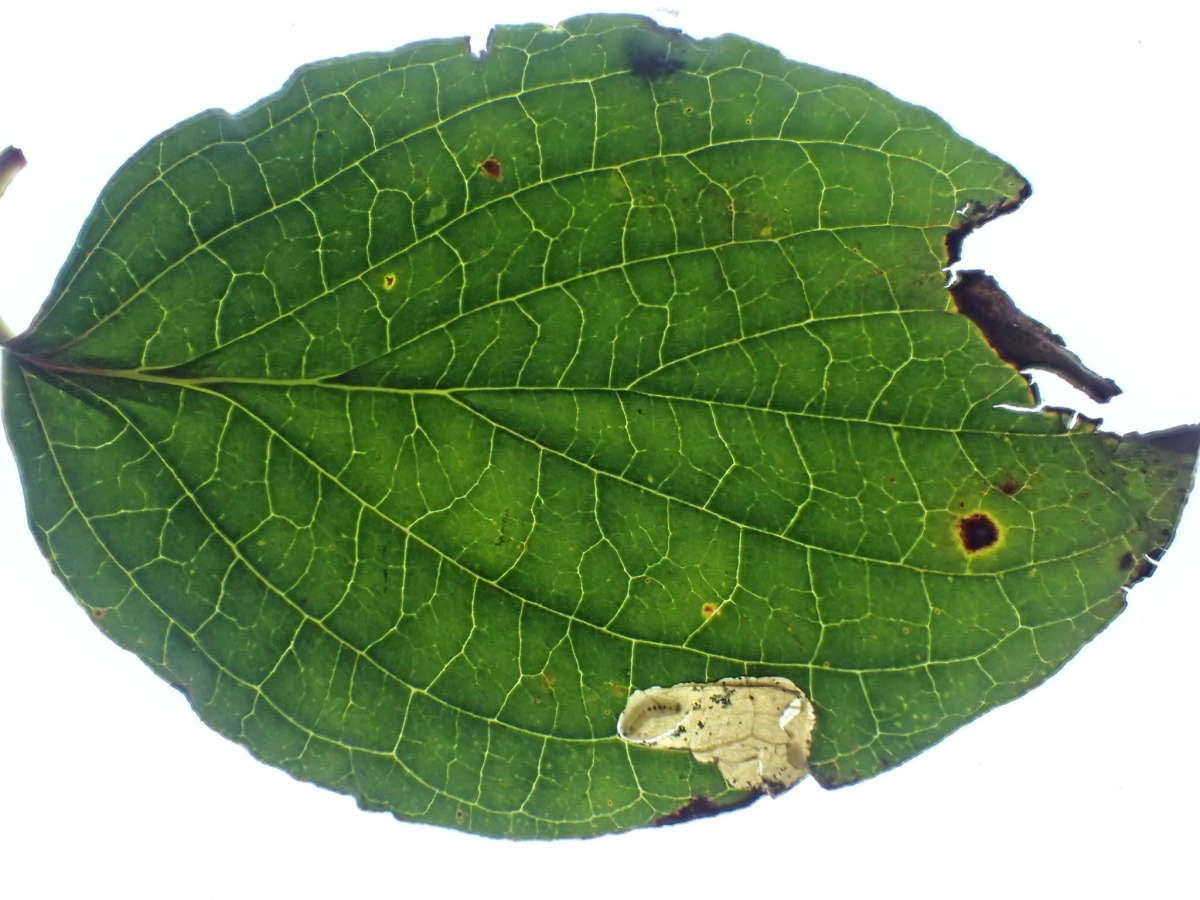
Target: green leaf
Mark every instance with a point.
(413, 418)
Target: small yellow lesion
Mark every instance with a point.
(389, 281)
(708, 610)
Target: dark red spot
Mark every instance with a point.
(708, 609)
(491, 168)
(1125, 562)
(1009, 486)
(389, 282)
(98, 613)
(977, 532)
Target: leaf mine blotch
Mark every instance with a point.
(757, 730)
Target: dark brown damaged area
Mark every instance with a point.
(1184, 441)
(702, 808)
(978, 215)
(1020, 340)
(12, 161)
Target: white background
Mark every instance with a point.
(1087, 787)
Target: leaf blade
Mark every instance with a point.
(294, 417)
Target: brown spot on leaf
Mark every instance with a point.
(1021, 340)
(1009, 486)
(977, 531)
(98, 613)
(1125, 562)
(389, 281)
(708, 609)
(491, 168)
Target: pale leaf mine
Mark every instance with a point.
(757, 730)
